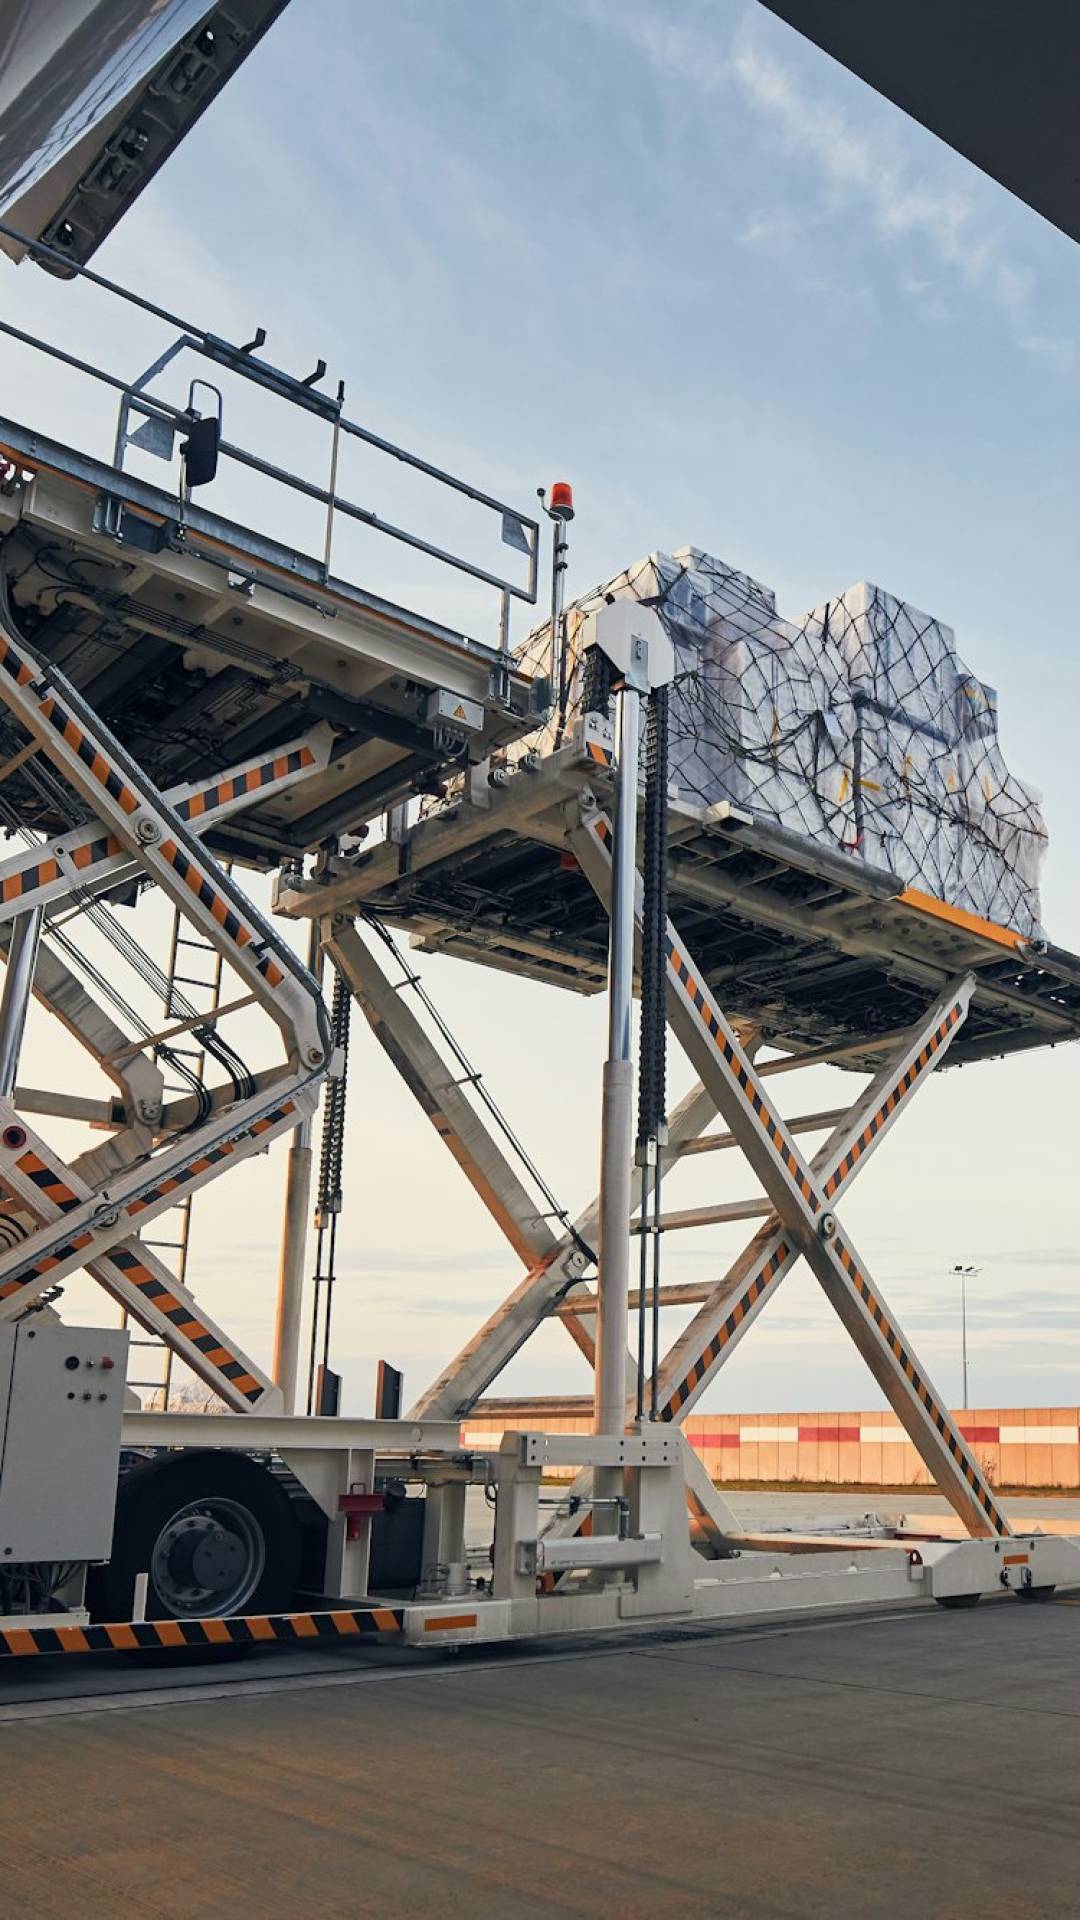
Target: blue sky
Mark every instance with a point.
(673, 254)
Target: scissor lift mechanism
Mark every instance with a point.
(91, 1213)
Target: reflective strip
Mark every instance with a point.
(92, 853)
(772, 1264)
(207, 895)
(106, 776)
(225, 791)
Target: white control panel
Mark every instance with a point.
(61, 1402)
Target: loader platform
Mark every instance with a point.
(816, 949)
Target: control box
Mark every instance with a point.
(61, 1404)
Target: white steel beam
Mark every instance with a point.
(436, 1089)
(494, 1344)
(803, 1123)
(140, 1082)
(524, 793)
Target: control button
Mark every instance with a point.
(71, 1362)
(107, 1363)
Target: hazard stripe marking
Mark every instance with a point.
(92, 853)
(373, 1623)
(106, 776)
(226, 790)
(25, 1276)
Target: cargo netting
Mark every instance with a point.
(857, 727)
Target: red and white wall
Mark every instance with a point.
(1015, 1446)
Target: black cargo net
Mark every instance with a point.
(857, 727)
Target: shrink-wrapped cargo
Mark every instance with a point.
(857, 727)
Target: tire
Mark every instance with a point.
(955, 1601)
(169, 1515)
(1034, 1595)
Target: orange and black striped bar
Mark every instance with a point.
(244, 1630)
(180, 1177)
(234, 786)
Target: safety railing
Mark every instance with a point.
(163, 422)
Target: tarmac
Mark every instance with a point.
(872, 1765)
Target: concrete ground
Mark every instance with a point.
(878, 1765)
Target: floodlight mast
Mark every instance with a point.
(633, 640)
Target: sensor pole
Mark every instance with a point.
(634, 641)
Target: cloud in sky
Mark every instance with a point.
(940, 223)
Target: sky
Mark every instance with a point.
(673, 254)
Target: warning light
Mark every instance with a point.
(561, 504)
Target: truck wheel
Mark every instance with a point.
(215, 1533)
(958, 1601)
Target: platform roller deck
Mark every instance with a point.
(815, 948)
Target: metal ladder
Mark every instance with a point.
(175, 1245)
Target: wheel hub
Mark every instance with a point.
(203, 1554)
(208, 1558)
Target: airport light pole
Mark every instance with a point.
(966, 1274)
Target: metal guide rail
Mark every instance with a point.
(815, 949)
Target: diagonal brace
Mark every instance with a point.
(723, 1319)
(804, 1209)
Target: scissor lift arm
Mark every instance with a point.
(90, 1213)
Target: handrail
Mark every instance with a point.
(519, 529)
